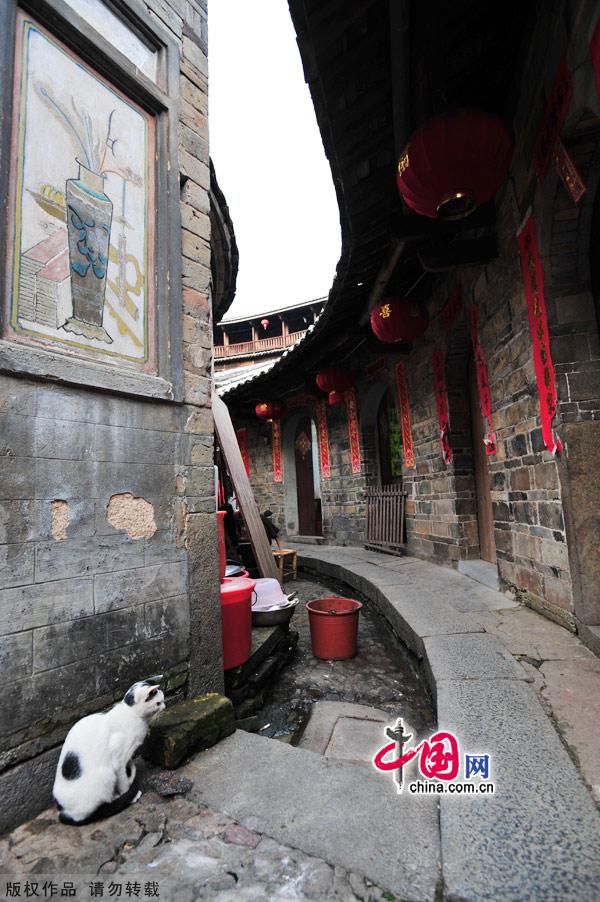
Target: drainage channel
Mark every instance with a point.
(384, 674)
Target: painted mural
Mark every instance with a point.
(82, 271)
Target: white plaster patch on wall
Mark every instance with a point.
(134, 515)
(59, 520)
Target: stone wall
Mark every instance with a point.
(108, 570)
(545, 508)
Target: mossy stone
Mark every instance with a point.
(187, 727)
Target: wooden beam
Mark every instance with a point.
(383, 277)
(243, 490)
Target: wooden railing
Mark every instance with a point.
(262, 344)
(385, 517)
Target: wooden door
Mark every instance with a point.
(305, 486)
(485, 515)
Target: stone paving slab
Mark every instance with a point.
(346, 731)
(469, 657)
(330, 809)
(538, 837)
(191, 852)
(572, 688)
(525, 632)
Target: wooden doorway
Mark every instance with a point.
(307, 479)
(485, 514)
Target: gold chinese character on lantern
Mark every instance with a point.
(403, 163)
(385, 312)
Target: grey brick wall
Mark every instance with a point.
(86, 612)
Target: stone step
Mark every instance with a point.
(187, 727)
(339, 811)
(482, 572)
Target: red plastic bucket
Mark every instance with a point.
(236, 620)
(333, 627)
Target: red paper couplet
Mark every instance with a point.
(321, 415)
(533, 278)
(451, 308)
(242, 437)
(568, 172)
(439, 378)
(402, 389)
(353, 436)
(553, 119)
(277, 467)
(483, 385)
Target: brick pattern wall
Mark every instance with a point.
(85, 608)
(342, 495)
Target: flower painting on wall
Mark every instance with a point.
(81, 212)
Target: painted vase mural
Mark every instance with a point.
(83, 217)
(89, 216)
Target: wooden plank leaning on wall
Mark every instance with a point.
(243, 490)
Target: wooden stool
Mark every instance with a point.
(289, 557)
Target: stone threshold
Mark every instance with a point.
(538, 837)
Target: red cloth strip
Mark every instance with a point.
(404, 404)
(533, 278)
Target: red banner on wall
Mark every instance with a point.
(323, 437)
(439, 379)
(277, 466)
(353, 436)
(483, 385)
(533, 278)
(403, 403)
(553, 119)
(242, 437)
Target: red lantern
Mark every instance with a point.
(335, 381)
(268, 411)
(454, 163)
(395, 319)
(265, 323)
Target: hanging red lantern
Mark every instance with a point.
(265, 323)
(395, 320)
(454, 163)
(268, 412)
(335, 381)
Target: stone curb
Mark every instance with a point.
(538, 836)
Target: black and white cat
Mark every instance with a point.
(95, 777)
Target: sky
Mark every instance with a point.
(269, 158)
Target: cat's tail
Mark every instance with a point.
(107, 809)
